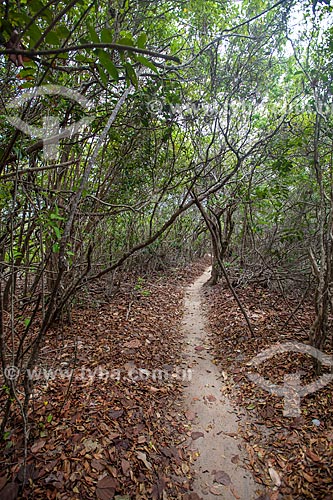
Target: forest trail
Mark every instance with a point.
(219, 469)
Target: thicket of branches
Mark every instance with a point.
(210, 129)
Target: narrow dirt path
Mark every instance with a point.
(219, 469)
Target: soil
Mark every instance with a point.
(219, 468)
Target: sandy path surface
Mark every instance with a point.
(222, 452)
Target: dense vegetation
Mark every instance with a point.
(208, 127)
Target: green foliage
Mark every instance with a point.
(107, 63)
(138, 287)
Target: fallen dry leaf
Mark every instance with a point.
(10, 491)
(215, 490)
(3, 481)
(222, 477)
(196, 435)
(106, 488)
(125, 466)
(114, 414)
(133, 344)
(97, 464)
(90, 445)
(234, 492)
(274, 476)
(185, 468)
(190, 415)
(38, 445)
(143, 457)
(313, 456)
(307, 476)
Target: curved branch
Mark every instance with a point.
(88, 46)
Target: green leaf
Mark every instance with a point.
(27, 85)
(143, 60)
(55, 248)
(26, 74)
(84, 59)
(34, 33)
(64, 55)
(130, 73)
(126, 41)
(80, 58)
(52, 39)
(142, 40)
(55, 216)
(47, 14)
(106, 35)
(30, 64)
(107, 63)
(57, 232)
(19, 19)
(126, 33)
(27, 322)
(103, 75)
(35, 6)
(49, 418)
(62, 31)
(93, 35)
(17, 254)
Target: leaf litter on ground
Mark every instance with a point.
(293, 455)
(118, 430)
